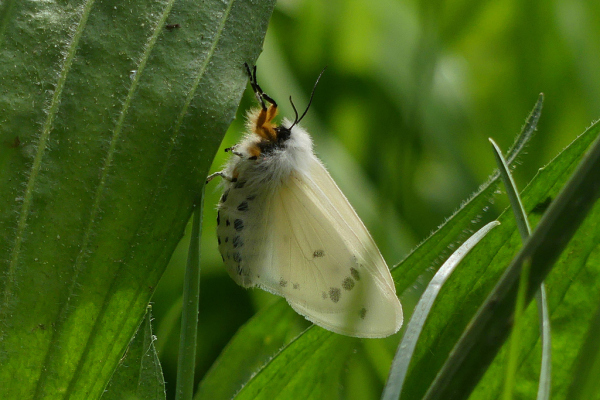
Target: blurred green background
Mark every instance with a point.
(401, 118)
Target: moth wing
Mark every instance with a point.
(321, 258)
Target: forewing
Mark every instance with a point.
(317, 253)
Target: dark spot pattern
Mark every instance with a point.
(237, 242)
(239, 184)
(226, 239)
(237, 257)
(296, 286)
(239, 269)
(362, 313)
(243, 206)
(238, 224)
(348, 284)
(218, 217)
(355, 274)
(283, 282)
(224, 196)
(222, 258)
(318, 253)
(219, 240)
(227, 222)
(335, 294)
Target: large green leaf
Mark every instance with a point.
(111, 112)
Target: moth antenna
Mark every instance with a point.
(295, 112)
(311, 97)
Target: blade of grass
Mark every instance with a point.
(524, 228)
(189, 316)
(475, 351)
(404, 353)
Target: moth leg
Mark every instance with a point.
(260, 95)
(222, 175)
(232, 151)
(264, 126)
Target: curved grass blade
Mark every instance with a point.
(397, 374)
(545, 381)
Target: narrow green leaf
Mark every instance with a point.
(115, 121)
(139, 375)
(475, 351)
(512, 193)
(186, 364)
(405, 350)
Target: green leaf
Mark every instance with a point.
(138, 375)
(111, 122)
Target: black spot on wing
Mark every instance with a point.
(239, 184)
(355, 274)
(227, 222)
(335, 294)
(226, 239)
(318, 253)
(282, 282)
(218, 217)
(238, 224)
(243, 206)
(251, 197)
(224, 196)
(237, 242)
(362, 313)
(219, 240)
(237, 257)
(348, 284)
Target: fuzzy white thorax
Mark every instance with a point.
(270, 169)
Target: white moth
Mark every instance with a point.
(283, 225)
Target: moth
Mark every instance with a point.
(283, 225)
